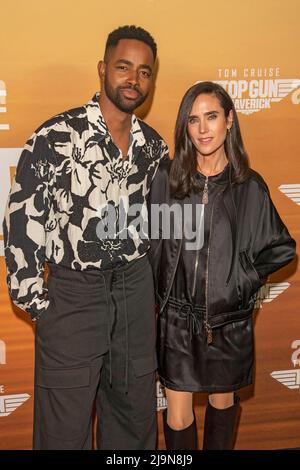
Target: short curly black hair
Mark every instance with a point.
(130, 32)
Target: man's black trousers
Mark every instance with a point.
(95, 347)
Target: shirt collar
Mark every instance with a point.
(97, 122)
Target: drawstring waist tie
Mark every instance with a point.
(193, 314)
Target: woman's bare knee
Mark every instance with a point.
(221, 400)
(180, 409)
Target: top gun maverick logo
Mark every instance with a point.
(254, 89)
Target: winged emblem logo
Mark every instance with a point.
(285, 86)
(9, 403)
(292, 191)
(269, 292)
(289, 378)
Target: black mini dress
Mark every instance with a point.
(186, 361)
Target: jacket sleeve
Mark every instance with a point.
(157, 196)
(24, 228)
(273, 246)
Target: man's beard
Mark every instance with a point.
(125, 105)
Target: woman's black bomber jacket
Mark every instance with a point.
(248, 242)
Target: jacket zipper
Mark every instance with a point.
(197, 259)
(204, 202)
(208, 328)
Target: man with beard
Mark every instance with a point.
(81, 183)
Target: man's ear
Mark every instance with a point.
(101, 70)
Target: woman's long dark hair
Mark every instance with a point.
(184, 165)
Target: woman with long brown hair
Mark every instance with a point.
(206, 290)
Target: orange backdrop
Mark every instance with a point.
(48, 56)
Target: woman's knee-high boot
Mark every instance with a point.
(185, 439)
(220, 426)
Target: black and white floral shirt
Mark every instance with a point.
(68, 174)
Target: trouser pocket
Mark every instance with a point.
(64, 402)
(143, 393)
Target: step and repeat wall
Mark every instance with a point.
(48, 57)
